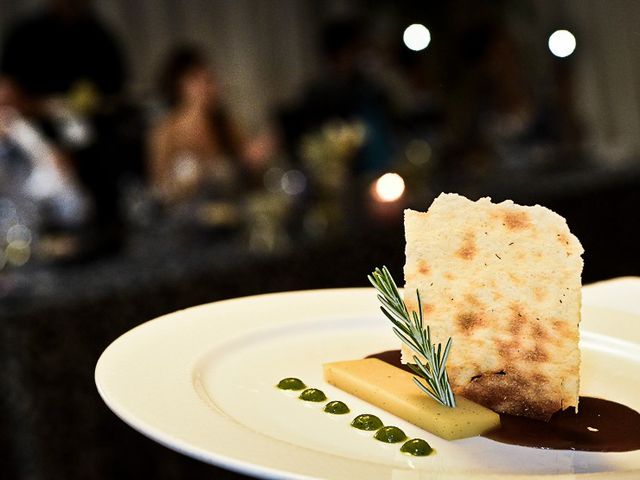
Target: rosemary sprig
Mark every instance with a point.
(410, 329)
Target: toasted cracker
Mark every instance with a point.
(504, 282)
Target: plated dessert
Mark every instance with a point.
(489, 330)
(203, 381)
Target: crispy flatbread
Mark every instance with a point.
(503, 281)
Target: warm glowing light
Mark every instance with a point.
(416, 37)
(389, 187)
(18, 253)
(562, 43)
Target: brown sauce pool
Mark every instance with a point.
(599, 426)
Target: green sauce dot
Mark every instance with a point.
(366, 422)
(336, 407)
(416, 447)
(291, 384)
(390, 435)
(313, 395)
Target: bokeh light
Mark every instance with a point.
(19, 233)
(418, 152)
(272, 179)
(293, 182)
(416, 37)
(562, 43)
(389, 187)
(18, 253)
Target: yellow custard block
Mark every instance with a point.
(393, 390)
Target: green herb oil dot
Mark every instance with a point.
(312, 395)
(416, 447)
(366, 422)
(336, 407)
(291, 384)
(390, 435)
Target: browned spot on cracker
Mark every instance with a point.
(561, 332)
(510, 392)
(472, 299)
(539, 332)
(538, 354)
(412, 305)
(517, 319)
(468, 249)
(427, 308)
(466, 252)
(507, 350)
(448, 275)
(514, 278)
(562, 238)
(469, 321)
(516, 220)
(540, 293)
(515, 325)
(423, 268)
(560, 328)
(538, 378)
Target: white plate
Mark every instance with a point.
(201, 381)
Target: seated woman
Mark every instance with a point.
(195, 148)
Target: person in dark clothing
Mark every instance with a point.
(345, 92)
(49, 53)
(63, 71)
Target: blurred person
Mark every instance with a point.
(63, 72)
(197, 148)
(59, 49)
(35, 169)
(412, 79)
(489, 96)
(345, 91)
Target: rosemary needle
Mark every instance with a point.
(409, 328)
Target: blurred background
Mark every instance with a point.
(159, 154)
